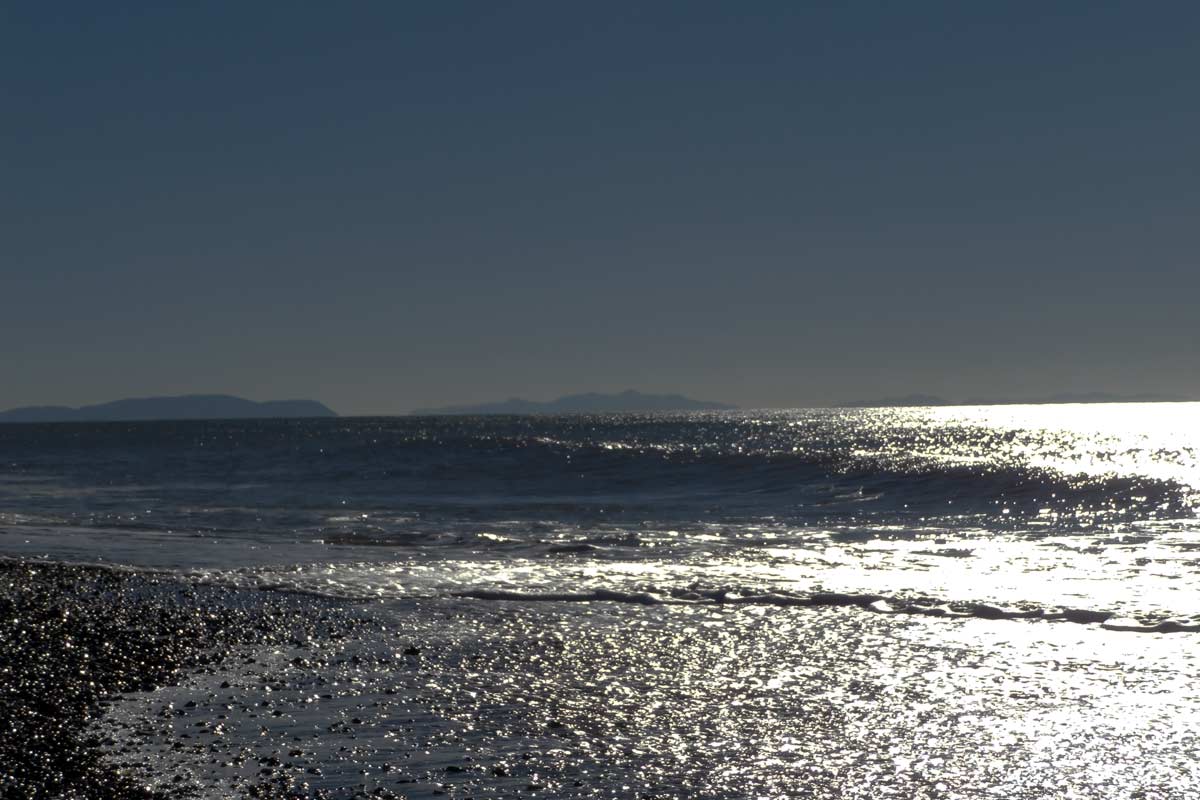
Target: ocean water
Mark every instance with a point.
(681, 605)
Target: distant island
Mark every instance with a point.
(1065, 397)
(592, 403)
(192, 406)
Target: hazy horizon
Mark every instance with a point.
(502, 405)
(386, 207)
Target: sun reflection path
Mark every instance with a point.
(1085, 439)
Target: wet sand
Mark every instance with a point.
(132, 685)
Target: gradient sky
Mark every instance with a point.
(392, 205)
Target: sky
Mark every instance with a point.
(386, 206)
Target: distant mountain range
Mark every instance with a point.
(592, 403)
(192, 406)
(1066, 397)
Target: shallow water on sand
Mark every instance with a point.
(611, 700)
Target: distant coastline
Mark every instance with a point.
(184, 407)
(591, 403)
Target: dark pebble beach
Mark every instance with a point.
(73, 638)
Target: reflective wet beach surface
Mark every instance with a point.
(469, 699)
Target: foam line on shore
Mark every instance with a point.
(874, 603)
(870, 602)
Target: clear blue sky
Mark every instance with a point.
(391, 205)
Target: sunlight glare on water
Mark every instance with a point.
(1156, 440)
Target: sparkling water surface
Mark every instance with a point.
(604, 605)
(970, 504)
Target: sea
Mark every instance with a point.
(942, 602)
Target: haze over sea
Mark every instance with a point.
(941, 602)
